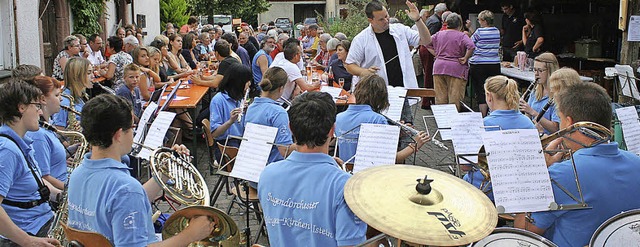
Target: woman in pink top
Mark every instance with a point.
(452, 49)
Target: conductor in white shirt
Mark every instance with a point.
(384, 49)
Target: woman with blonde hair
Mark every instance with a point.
(544, 65)
(78, 75)
(149, 78)
(502, 98)
(561, 79)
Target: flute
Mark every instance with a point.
(242, 105)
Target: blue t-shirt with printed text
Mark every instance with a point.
(303, 203)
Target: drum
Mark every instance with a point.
(508, 237)
(620, 230)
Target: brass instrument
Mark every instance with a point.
(593, 130)
(72, 123)
(105, 88)
(184, 184)
(225, 233)
(57, 231)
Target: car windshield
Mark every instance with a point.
(282, 21)
(223, 20)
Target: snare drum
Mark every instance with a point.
(508, 237)
(620, 230)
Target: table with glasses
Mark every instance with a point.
(526, 75)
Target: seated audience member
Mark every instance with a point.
(83, 45)
(237, 51)
(130, 43)
(175, 59)
(608, 175)
(148, 77)
(312, 118)
(371, 99)
(102, 180)
(202, 50)
(71, 49)
(322, 58)
(26, 215)
(117, 61)
(188, 43)
(243, 40)
(49, 151)
(130, 90)
(337, 65)
(25, 72)
(261, 61)
(279, 45)
(292, 55)
(95, 50)
(222, 53)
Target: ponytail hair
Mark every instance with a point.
(273, 79)
(504, 89)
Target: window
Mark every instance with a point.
(343, 2)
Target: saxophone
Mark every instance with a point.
(57, 231)
(72, 122)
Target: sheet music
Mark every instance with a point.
(334, 91)
(396, 102)
(156, 133)
(253, 152)
(466, 133)
(627, 84)
(146, 115)
(518, 170)
(376, 146)
(444, 114)
(628, 116)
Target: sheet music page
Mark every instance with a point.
(253, 152)
(627, 84)
(444, 115)
(466, 133)
(396, 102)
(628, 116)
(334, 91)
(518, 170)
(146, 115)
(156, 133)
(377, 144)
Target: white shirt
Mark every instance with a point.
(280, 56)
(293, 73)
(365, 52)
(95, 58)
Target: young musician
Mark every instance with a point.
(129, 90)
(225, 107)
(543, 65)
(78, 75)
(371, 99)
(501, 94)
(49, 152)
(502, 98)
(561, 79)
(266, 111)
(608, 176)
(25, 214)
(311, 180)
(103, 197)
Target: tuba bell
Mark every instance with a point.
(185, 184)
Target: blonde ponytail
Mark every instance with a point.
(503, 89)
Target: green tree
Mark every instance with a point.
(247, 10)
(86, 14)
(174, 11)
(355, 21)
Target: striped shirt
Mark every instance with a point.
(487, 41)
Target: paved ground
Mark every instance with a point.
(429, 155)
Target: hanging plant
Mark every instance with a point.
(86, 14)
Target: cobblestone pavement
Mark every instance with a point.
(429, 155)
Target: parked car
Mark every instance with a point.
(284, 24)
(309, 21)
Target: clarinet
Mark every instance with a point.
(242, 103)
(544, 110)
(525, 95)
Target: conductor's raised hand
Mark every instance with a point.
(413, 11)
(199, 228)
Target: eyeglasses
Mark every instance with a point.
(539, 70)
(38, 105)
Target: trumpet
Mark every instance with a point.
(242, 104)
(525, 95)
(415, 132)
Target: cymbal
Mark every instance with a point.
(454, 213)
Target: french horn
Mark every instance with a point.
(184, 182)
(224, 234)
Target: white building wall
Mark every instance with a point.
(150, 8)
(110, 19)
(7, 39)
(277, 9)
(29, 35)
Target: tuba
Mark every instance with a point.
(57, 230)
(185, 184)
(72, 122)
(593, 130)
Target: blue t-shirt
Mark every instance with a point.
(18, 184)
(255, 68)
(303, 203)
(60, 118)
(506, 120)
(349, 121)
(609, 181)
(538, 104)
(268, 112)
(49, 153)
(220, 111)
(133, 97)
(104, 198)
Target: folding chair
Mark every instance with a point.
(79, 238)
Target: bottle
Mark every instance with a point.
(330, 79)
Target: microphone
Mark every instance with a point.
(544, 110)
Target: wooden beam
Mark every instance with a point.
(629, 50)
